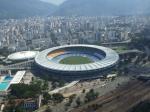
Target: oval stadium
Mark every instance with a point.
(73, 62)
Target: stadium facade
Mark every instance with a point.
(79, 61)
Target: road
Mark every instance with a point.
(64, 87)
(120, 100)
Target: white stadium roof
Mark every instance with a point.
(111, 59)
(23, 55)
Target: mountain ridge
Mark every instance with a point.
(24, 8)
(28, 8)
(103, 7)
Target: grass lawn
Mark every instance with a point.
(120, 49)
(73, 60)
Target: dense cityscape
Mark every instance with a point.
(74, 56)
(40, 33)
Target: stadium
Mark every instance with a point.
(73, 62)
(22, 56)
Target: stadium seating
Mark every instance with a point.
(57, 56)
(55, 53)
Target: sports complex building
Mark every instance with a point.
(23, 55)
(72, 62)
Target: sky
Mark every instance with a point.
(57, 2)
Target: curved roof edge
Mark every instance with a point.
(111, 58)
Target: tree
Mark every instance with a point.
(25, 90)
(54, 85)
(14, 108)
(61, 83)
(91, 95)
(83, 91)
(143, 106)
(46, 97)
(78, 102)
(71, 99)
(57, 97)
(48, 109)
(45, 86)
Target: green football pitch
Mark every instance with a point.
(73, 60)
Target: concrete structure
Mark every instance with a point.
(18, 77)
(103, 59)
(23, 55)
(25, 65)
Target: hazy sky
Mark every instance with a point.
(57, 2)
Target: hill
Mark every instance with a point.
(103, 7)
(24, 8)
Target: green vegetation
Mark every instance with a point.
(56, 84)
(142, 107)
(28, 91)
(141, 40)
(120, 49)
(14, 108)
(76, 60)
(57, 97)
(83, 91)
(46, 97)
(45, 85)
(78, 102)
(48, 109)
(5, 51)
(25, 91)
(71, 98)
(91, 95)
